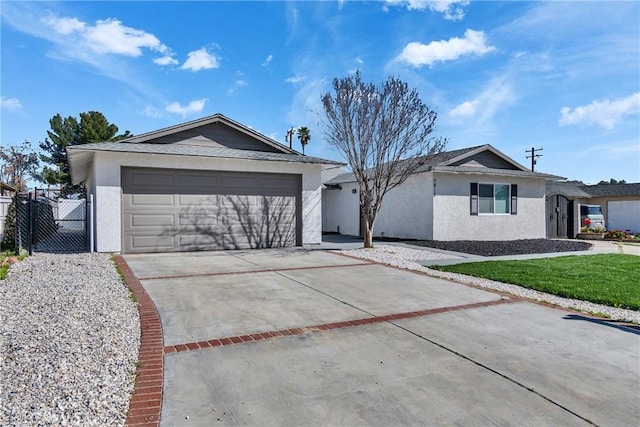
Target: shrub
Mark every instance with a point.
(617, 235)
(9, 232)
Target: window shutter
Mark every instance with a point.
(514, 199)
(474, 198)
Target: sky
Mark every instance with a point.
(563, 76)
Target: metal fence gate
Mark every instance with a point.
(559, 216)
(47, 225)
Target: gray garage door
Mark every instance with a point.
(186, 210)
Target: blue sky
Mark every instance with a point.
(560, 75)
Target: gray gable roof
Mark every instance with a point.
(167, 135)
(215, 136)
(604, 190)
(463, 161)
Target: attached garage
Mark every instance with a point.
(209, 184)
(182, 210)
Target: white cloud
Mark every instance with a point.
(419, 54)
(236, 85)
(294, 79)
(194, 107)
(165, 60)
(267, 61)
(451, 9)
(602, 113)
(466, 109)
(12, 104)
(107, 36)
(64, 25)
(496, 95)
(200, 59)
(151, 112)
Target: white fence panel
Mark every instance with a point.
(71, 214)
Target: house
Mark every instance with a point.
(620, 205)
(475, 193)
(210, 183)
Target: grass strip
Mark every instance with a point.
(609, 279)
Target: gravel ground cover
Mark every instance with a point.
(513, 247)
(69, 339)
(403, 257)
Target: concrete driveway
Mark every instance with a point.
(302, 337)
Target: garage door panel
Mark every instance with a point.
(201, 220)
(143, 178)
(195, 180)
(194, 200)
(151, 200)
(205, 210)
(152, 243)
(151, 220)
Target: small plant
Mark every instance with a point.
(616, 235)
(132, 295)
(586, 226)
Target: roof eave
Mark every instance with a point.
(502, 172)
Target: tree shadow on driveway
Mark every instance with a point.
(625, 327)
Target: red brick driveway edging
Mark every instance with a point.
(146, 402)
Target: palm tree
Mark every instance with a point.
(304, 135)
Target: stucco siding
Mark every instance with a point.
(341, 210)
(406, 210)
(453, 221)
(107, 189)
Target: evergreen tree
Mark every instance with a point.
(92, 127)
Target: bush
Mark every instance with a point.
(9, 232)
(617, 235)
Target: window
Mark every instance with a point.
(491, 199)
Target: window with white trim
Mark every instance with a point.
(494, 199)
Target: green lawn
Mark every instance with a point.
(610, 279)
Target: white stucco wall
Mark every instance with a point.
(341, 210)
(104, 184)
(453, 221)
(407, 210)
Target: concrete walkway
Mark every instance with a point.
(306, 337)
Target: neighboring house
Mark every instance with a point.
(211, 183)
(620, 204)
(7, 190)
(475, 193)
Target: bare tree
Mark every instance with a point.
(17, 164)
(383, 132)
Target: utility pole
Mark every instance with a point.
(533, 157)
(289, 137)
